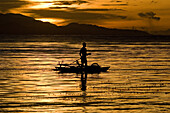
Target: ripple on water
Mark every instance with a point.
(137, 81)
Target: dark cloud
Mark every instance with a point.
(70, 2)
(75, 16)
(90, 9)
(153, 1)
(149, 15)
(116, 1)
(126, 4)
(59, 7)
(98, 9)
(6, 5)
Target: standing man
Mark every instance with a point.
(83, 54)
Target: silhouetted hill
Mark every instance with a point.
(20, 24)
(75, 28)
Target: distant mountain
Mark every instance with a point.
(20, 24)
(163, 32)
(75, 28)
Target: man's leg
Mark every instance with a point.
(86, 63)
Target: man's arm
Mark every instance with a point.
(80, 52)
(88, 53)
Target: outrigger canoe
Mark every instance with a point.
(67, 68)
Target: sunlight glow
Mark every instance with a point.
(41, 0)
(46, 19)
(110, 13)
(42, 5)
(51, 20)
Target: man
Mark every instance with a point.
(83, 54)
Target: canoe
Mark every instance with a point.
(94, 68)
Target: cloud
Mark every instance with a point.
(116, 1)
(149, 15)
(70, 2)
(88, 9)
(59, 8)
(6, 5)
(126, 4)
(93, 9)
(75, 16)
(153, 1)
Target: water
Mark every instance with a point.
(138, 79)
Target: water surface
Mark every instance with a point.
(138, 79)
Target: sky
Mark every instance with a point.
(148, 15)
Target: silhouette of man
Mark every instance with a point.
(83, 54)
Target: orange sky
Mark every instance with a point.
(148, 15)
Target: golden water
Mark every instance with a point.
(138, 80)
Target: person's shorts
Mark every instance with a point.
(83, 59)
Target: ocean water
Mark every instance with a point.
(138, 80)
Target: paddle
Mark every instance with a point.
(79, 59)
(72, 62)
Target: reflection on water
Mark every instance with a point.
(138, 79)
(83, 81)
